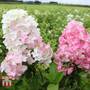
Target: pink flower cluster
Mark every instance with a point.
(74, 48)
(24, 44)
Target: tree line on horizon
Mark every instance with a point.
(29, 2)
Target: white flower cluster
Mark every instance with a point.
(24, 43)
(10, 16)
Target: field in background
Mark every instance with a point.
(52, 20)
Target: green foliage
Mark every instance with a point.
(52, 87)
(85, 81)
(53, 76)
(78, 80)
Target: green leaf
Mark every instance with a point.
(54, 76)
(52, 87)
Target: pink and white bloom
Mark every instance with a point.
(13, 70)
(24, 43)
(43, 53)
(12, 15)
(21, 31)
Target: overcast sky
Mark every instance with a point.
(86, 2)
